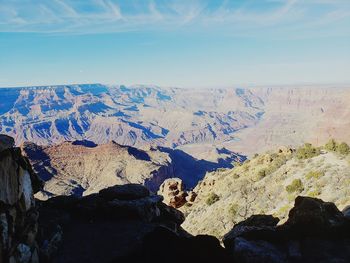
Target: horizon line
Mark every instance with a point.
(136, 85)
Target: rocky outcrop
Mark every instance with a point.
(18, 213)
(315, 231)
(173, 191)
(119, 224)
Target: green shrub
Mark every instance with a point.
(331, 145)
(233, 210)
(212, 198)
(314, 193)
(343, 148)
(307, 151)
(295, 186)
(261, 173)
(314, 174)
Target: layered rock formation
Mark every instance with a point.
(128, 115)
(246, 120)
(18, 214)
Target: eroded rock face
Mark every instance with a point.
(18, 214)
(173, 191)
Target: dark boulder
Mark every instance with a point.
(312, 216)
(255, 227)
(125, 192)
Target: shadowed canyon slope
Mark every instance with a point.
(246, 120)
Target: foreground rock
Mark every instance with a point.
(18, 214)
(315, 231)
(120, 224)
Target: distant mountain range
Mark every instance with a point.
(244, 120)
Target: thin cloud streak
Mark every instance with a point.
(107, 16)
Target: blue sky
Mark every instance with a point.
(183, 43)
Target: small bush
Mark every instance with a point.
(343, 148)
(295, 186)
(235, 175)
(233, 210)
(331, 145)
(307, 151)
(212, 198)
(314, 174)
(314, 193)
(261, 173)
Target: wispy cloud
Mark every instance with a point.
(104, 16)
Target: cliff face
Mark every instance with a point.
(18, 214)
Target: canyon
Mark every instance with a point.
(242, 120)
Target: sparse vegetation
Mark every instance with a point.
(212, 198)
(314, 174)
(343, 148)
(314, 193)
(233, 210)
(295, 186)
(307, 151)
(331, 145)
(262, 173)
(285, 175)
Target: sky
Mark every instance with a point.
(177, 43)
